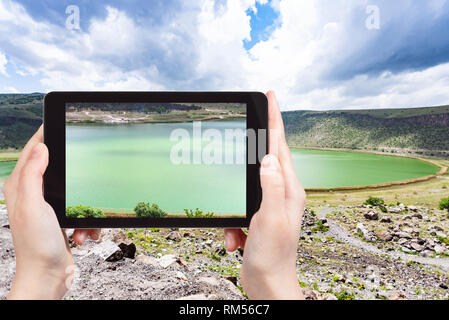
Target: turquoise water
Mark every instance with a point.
(6, 168)
(117, 166)
(330, 169)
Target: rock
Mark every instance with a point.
(398, 295)
(129, 250)
(402, 241)
(326, 296)
(188, 234)
(232, 287)
(439, 249)
(209, 281)
(413, 208)
(441, 235)
(107, 250)
(167, 260)
(221, 251)
(384, 236)
(309, 294)
(174, 236)
(371, 215)
(443, 286)
(385, 220)
(395, 209)
(406, 250)
(418, 216)
(147, 260)
(402, 234)
(417, 247)
(182, 262)
(426, 253)
(180, 275)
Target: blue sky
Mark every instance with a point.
(316, 54)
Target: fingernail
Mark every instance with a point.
(37, 151)
(270, 162)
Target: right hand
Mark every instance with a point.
(269, 259)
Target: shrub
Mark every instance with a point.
(80, 211)
(197, 213)
(444, 204)
(145, 210)
(375, 202)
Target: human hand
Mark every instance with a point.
(269, 259)
(44, 262)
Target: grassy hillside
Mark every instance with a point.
(417, 131)
(20, 116)
(407, 131)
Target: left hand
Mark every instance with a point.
(44, 262)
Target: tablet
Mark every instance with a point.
(154, 159)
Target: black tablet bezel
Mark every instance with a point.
(54, 138)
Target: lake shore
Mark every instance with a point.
(89, 117)
(443, 165)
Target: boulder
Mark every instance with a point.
(129, 250)
(398, 295)
(403, 234)
(371, 215)
(174, 236)
(384, 236)
(439, 249)
(167, 260)
(107, 250)
(385, 220)
(417, 247)
(309, 294)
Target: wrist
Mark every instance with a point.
(281, 286)
(38, 285)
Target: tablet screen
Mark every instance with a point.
(156, 160)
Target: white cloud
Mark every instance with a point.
(200, 47)
(10, 90)
(3, 62)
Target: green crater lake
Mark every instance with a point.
(117, 166)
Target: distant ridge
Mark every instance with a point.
(409, 131)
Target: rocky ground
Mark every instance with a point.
(336, 259)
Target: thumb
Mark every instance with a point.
(31, 175)
(273, 186)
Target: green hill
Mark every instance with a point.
(20, 116)
(422, 131)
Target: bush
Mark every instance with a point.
(80, 211)
(375, 202)
(444, 204)
(197, 213)
(145, 210)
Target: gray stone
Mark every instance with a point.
(371, 215)
(174, 236)
(439, 249)
(107, 250)
(417, 247)
(167, 260)
(402, 234)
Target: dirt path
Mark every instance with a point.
(341, 234)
